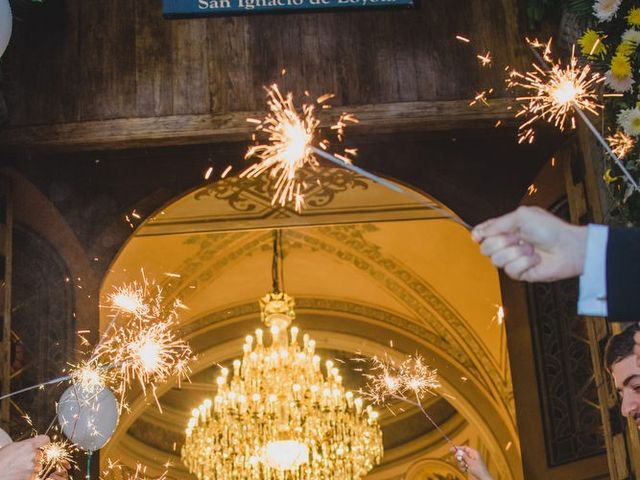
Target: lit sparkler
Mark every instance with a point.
(54, 455)
(294, 143)
(388, 379)
(621, 143)
(133, 299)
(90, 376)
(146, 351)
(485, 60)
(407, 382)
(291, 135)
(555, 94)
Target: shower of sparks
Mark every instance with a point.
(407, 382)
(485, 60)
(90, 377)
(147, 352)
(54, 455)
(481, 97)
(500, 314)
(130, 299)
(554, 92)
(388, 380)
(226, 171)
(288, 147)
(621, 144)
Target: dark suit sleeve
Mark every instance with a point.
(623, 274)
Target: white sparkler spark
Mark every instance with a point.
(54, 455)
(288, 147)
(554, 94)
(621, 143)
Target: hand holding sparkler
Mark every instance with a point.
(533, 245)
(470, 461)
(55, 460)
(20, 460)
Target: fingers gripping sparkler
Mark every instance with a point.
(54, 456)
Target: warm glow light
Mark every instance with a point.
(553, 92)
(286, 150)
(621, 143)
(280, 414)
(149, 355)
(565, 92)
(296, 139)
(54, 455)
(128, 300)
(140, 344)
(286, 454)
(91, 377)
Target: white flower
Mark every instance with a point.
(605, 10)
(618, 84)
(631, 36)
(629, 120)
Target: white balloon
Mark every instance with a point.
(6, 24)
(5, 439)
(88, 419)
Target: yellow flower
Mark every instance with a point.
(608, 178)
(633, 18)
(620, 66)
(591, 43)
(625, 49)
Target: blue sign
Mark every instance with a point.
(197, 8)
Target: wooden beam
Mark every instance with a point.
(232, 127)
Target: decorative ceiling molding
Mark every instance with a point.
(333, 196)
(349, 244)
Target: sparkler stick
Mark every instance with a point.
(543, 62)
(39, 385)
(390, 380)
(54, 455)
(608, 149)
(418, 404)
(388, 184)
(293, 145)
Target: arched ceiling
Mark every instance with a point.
(368, 267)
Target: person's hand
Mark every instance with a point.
(21, 460)
(471, 462)
(533, 245)
(61, 473)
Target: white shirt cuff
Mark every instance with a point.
(593, 281)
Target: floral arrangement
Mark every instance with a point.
(612, 45)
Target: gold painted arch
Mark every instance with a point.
(402, 273)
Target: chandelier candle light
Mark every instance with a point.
(280, 414)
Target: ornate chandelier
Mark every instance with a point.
(280, 415)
